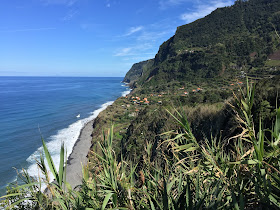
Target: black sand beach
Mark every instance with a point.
(78, 157)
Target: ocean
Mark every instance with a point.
(31, 107)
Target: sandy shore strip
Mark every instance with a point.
(79, 156)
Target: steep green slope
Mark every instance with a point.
(136, 71)
(221, 45)
(213, 54)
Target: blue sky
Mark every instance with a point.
(89, 37)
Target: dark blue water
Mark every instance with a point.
(47, 106)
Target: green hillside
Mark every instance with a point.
(228, 43)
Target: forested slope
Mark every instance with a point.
(242, 37)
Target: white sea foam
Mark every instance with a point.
(68, 136)
(126, 92)
(125, 84)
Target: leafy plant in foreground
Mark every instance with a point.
(242, 172)
(32, 196)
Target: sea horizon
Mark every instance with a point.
(64, 76)
(56, 108)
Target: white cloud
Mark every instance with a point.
(71, 2)
(124, 52)
(152, 35)
(204, 8)
(164, 4)
(146, 41)
(108, 5)
(136, 50)
(133, 30)
(70, 14)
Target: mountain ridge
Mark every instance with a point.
(225, 42)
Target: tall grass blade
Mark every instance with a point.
(106, 200)
(165, 197)
(61, 165)
(50, 161)
(152, 204)
(277, 127)
(188, 195)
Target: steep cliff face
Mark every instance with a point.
(136, 71)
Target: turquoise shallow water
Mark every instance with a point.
(47, 106)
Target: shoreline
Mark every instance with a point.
(81, 148)
(78, 156)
